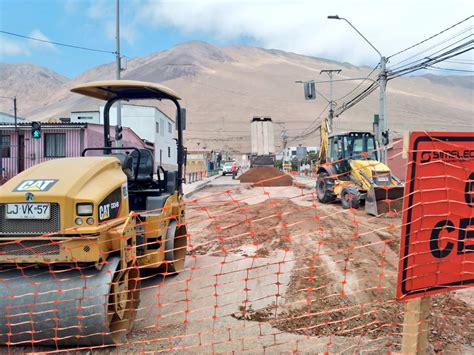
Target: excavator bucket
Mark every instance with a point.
(384, 199)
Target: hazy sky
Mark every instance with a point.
(299, 26)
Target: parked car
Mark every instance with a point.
(227, 167)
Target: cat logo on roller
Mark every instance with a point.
(35, 185)
(110, 207)
(104, 212)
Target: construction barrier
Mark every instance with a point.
(267, 270)
(196, 170)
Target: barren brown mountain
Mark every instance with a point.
(224, 87)
(30, 83)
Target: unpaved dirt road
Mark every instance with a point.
(271, 270)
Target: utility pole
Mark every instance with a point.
(383, 138)
(382, 135)
(17, 137)
(118, 142)
(284, 138)
(330, 72)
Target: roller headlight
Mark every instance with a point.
(84, 209)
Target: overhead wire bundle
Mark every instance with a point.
(453, 46)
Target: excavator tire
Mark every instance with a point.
(350, 197)
(325, 188)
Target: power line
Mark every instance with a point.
(410, 67)
(450, 69)
(468, 30)
(57, 43)
(422, 66)
(433, 60)
(356, 99)
(345, 107)
(464, 61)
(431, 37)
(447, 50)
(416, 68)
(430, 55)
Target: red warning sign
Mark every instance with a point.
(437, 241)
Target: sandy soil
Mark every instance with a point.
(278, 272)
(271, 270)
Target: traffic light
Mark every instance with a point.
(36, 130)
(309, 91)
(118, 133)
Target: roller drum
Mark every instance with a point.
(56, 307)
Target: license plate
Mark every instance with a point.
(382, 178)
(28, 211)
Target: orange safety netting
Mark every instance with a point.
(267, 270)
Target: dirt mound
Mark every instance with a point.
(266, 176)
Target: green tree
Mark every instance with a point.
(312, 156)
(294, 164)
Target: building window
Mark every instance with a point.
(55, 145)
(162, 123)
(293, 152)
(170, 127)
(157, 126)
(169, 152)
(5, 152)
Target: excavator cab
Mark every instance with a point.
(75, 233)
(351, 146)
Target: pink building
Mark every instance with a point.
(58, 140)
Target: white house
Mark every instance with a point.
(148, 122)
(291, 152)
(86, 116)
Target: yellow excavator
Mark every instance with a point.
(350, 170)
(75, 233)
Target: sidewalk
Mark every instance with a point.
(189, 189)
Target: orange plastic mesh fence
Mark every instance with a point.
(267, 269)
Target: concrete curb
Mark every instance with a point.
(200, 186)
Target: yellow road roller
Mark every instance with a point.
(75, 233)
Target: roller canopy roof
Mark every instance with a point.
(126, 89)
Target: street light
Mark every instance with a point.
(382, 79)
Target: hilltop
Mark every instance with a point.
(224, 87)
